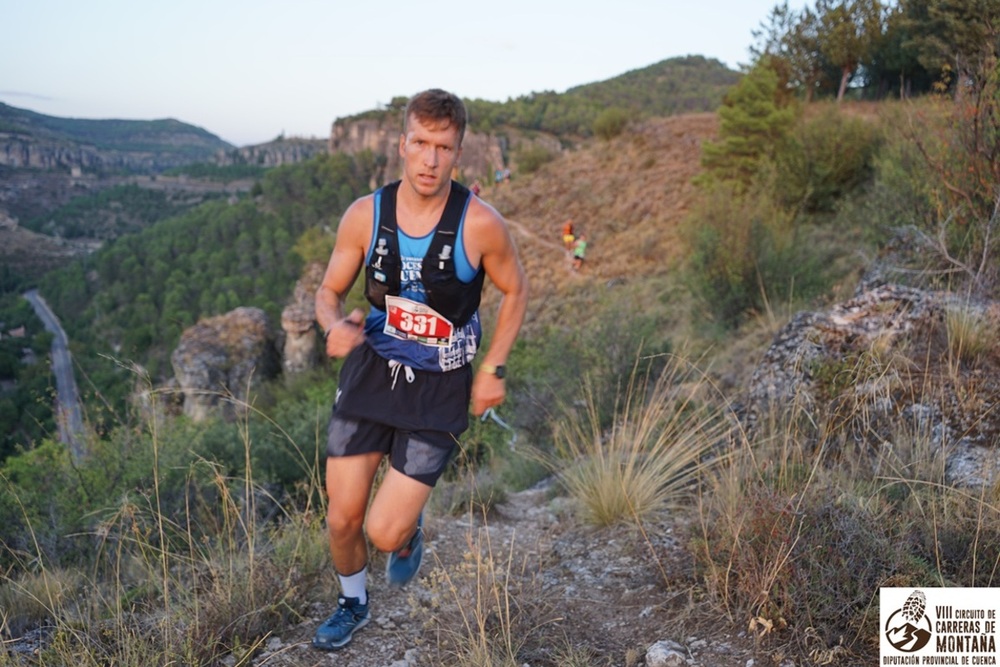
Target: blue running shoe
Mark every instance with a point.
(402, 565)
(337, 630)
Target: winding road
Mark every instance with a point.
(68, 413)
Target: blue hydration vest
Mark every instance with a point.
(433, 270)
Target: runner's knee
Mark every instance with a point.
(341, 524)
(386, 533)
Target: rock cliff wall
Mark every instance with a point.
(302, 348)
(273, 154)
(220, 359)
(24, 151)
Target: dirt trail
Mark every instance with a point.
(611, 593)
(523, 230)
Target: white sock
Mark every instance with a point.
(355, 585)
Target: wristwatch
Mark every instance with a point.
(499, 371)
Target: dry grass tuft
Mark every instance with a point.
(193, 588)
(970, 335)
(486, 610)
(662, 436)
(31, 599)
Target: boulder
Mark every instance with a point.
(666, 653)
(221, 359)
(302, 348)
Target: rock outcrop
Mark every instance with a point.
(275, 153)
(882, 366)
(302, 350)
(221, 359)
(22, 151)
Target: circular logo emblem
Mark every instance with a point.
(908, 629)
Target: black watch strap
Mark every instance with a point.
(499, 371)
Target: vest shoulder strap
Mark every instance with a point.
(382, 269)
(446, 232)
(387, 209)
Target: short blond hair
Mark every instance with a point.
(437, 105)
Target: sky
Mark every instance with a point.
(250, 71)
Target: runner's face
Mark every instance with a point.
(429, 152)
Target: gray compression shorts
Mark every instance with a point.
(420, 455)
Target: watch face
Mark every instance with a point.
(500, 372)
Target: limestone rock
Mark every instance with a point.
(880, 315)
(666, 654)
(880, 366)
(220, 359)
(275, 153)
(302, 347)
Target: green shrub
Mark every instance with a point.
(314, 245)
(739, 245)
(825, 159)
(548, 371)
(532, 159)
(610, 123)
(754, 121)
(936, 183)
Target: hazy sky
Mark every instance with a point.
(250, 70)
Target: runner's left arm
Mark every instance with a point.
(503, 267)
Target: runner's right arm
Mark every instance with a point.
(344, 333)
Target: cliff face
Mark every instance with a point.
(273, 154)
(26, 151)
(36, 141)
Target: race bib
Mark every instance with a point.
(418, 322)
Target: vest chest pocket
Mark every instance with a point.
(382, 275)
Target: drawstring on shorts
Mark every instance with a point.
(394, 367)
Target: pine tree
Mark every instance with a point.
(851, 29)
(752, 127)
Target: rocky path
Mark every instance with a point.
(530, 571)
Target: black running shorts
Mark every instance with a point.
(414, 418)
